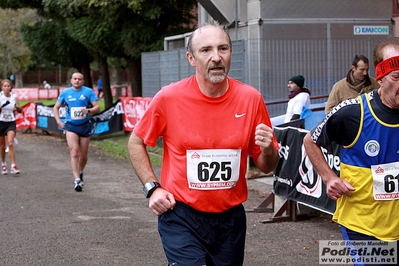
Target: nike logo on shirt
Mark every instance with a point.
(239, 115)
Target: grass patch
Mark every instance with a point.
(155, 155)
(43, 101)
(115, 145)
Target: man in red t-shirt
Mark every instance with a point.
(209, 123)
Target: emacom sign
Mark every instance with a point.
(371, 30)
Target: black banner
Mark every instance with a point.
(107, 122)
(45, 117)
(295, 178)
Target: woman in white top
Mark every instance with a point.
(299, 97)
(8, 126)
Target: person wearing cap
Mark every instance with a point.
(367, 128)
(299, 97)
(356, 82)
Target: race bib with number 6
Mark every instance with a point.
(386, 181)
(213, 169)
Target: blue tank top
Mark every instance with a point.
(377, 142)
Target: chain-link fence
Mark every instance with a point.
(268, 64)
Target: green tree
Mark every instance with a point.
(146, 29)
(110, 28)
(124, 29)
(15, 56)
(50, 42)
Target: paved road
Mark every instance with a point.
(44, 221)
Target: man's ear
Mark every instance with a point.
(190, 58)
(380, 82)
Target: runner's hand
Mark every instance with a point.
(337, 187)
(161, 201)
(5, 104)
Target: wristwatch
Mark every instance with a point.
(149, 188)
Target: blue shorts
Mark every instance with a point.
(350, 235)
(191, 237)
(83, 130)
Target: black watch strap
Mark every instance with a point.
(149, 188)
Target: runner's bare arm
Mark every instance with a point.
(140, 159)
(161, 200)
(56, 111)
(336, 187)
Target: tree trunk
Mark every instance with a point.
(107, 94)
(135, 76)
(118, 72)
(86, 75)
(18, 80)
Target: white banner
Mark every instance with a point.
(370, 30)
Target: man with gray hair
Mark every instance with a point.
(210, 123)
(366, 127)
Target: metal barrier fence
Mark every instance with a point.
(268, 64)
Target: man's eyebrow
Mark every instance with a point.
(206, 46)
(218, 46)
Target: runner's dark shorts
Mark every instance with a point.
(7, 126)
(191, 237)
(82, 130)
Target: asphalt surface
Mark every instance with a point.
(43, 221)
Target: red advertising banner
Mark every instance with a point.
(27, 118)
(133, 109)
(36, 93)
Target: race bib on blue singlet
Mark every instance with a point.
(77, 114)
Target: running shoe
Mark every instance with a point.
(78, 185)
(4, 169)
(14, 169)
(81, 176)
